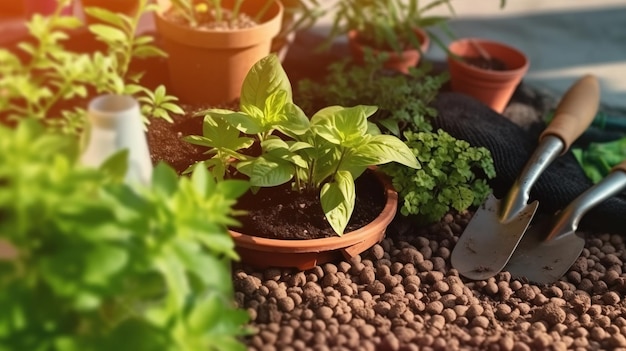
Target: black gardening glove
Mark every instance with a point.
(511, 146)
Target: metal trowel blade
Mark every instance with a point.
(487, 243)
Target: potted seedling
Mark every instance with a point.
(392, 26)
(453, 174)
(213, 43)
(272, 143)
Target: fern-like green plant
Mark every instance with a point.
(403, 101)
(453, 175)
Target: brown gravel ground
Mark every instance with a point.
(402, 294)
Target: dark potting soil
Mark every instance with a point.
(492, 64)
(276, 212)
(282, 213)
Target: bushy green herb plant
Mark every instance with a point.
(389, 24)
(197, 12)
(46, 80)
(385, 24)
(453, 175)
(324, 154)
(403, 101)
(97, 264)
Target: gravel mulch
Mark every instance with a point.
(402, 294)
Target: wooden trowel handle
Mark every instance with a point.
(575, 112)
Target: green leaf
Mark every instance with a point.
(106, 16)
(388, 148)
(116, 165)
(265, 78)
(337, 198)
(108, 33)
(164, 179)
(266, 173)
(243, 122)
(341, 125)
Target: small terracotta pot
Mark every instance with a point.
(44, 7)
(208, 67)
(306, 254)
(127, 7)
(493, 88)
(397, 62)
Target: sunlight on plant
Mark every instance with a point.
(101, 265)
(324, 154)
(47, 81)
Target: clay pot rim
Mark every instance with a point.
(377, 226)
(268, 21)
(481, 71)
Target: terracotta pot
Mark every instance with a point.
(397, 62)
(127, 7)
(208, 66)
(493, 88)
(44, 7)
(306, 254)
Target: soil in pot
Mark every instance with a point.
(282, 213)
(491, 64)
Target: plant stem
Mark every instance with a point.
(259, 16)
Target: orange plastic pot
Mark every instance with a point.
(398, 62)
(208, 66)
(493, 88)
(306, 254)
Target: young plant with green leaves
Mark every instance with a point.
(46, 80)
(453, 176)
(324, 154)
(403, 101)
(385, 24)
(390, 24)
(95, 264)
(198, 12)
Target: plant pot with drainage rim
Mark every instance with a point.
(487, 70)
(208, 65)
(319, 161)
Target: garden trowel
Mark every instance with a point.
(496, 228)
(551, 247)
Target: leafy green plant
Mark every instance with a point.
(452, 172)
(95, 264)
(46, 80)
(403, 101)
(598, 158)
(385, 24)
(389, 24)
(197, 12)
(453, 175)
(324, 154)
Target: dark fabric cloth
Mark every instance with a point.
(511, 146)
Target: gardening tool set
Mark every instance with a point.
(496, 235)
